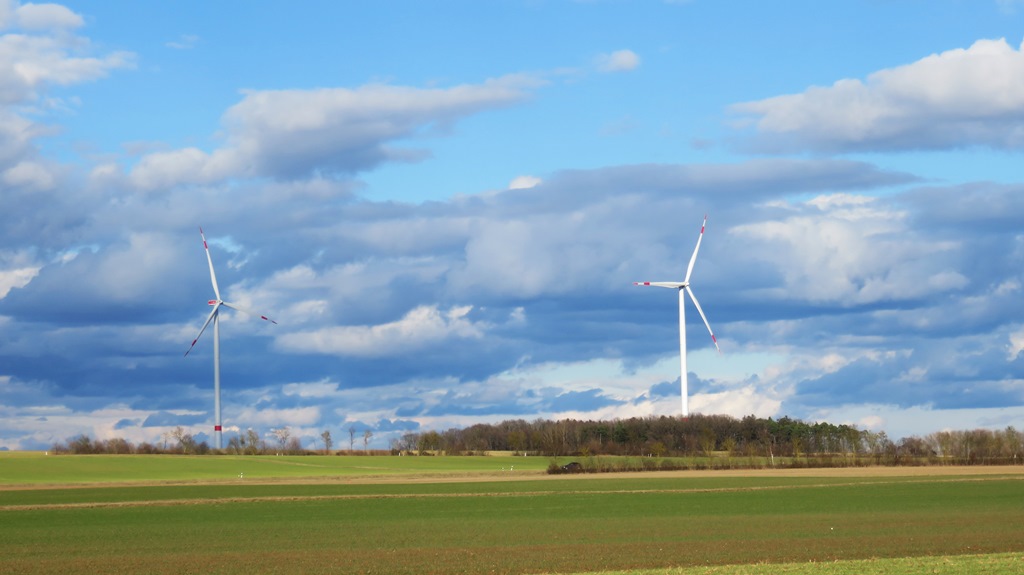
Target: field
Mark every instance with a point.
(174, 514)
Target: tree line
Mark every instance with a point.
(718, 435)
(179, 441)
(760, 439)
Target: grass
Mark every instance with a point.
(39, 469)
(398, 523)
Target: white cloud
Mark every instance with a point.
(618, 61)
(962, 97)
(28, 175)
(855, 250)
(421, 327)
(28, 63)
(873, 422)
(524, 182)
(17, 268)
(161, 170)
(16, 136)
(16, 278)
(37, 16)
(746, 400)
(544, 253)
(300, 133)
(1016, 345)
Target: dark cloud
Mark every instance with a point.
(666, 389)
(397, 425)
(589, 400)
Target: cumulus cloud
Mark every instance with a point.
(29, 63)
(39, 52)
(474, 287)
(16, 137)
(26, 174)
(957, 98)
(524, 182)
(515, 302)
(853, 250)
(747, 400)
(1016, 344)
(416, 301)
(618, 61)
(16, 270)
(300, 133)
(422, 327)
(31, 16)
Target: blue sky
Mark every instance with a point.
(445, 205)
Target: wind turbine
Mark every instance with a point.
(215, 318)
(684, 287)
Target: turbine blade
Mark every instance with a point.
(248, 311)
(703, 317)
(213, 276)
(693, 258)
(674, 285)
(209, 318)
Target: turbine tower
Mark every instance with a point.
(683, 287)
(215, 318)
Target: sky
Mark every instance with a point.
(445, 205)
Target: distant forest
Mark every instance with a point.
(722, 440)
(759, 440)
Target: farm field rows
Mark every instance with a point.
(480, 521)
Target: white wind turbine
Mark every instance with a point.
(215, 318)
(684, 286)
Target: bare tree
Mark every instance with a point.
(366, 438)
(282, 434)
(326, 436)
(185, 440)
(351, 437)
(253, 444)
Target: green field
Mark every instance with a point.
(168, 514)
(39, 469)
